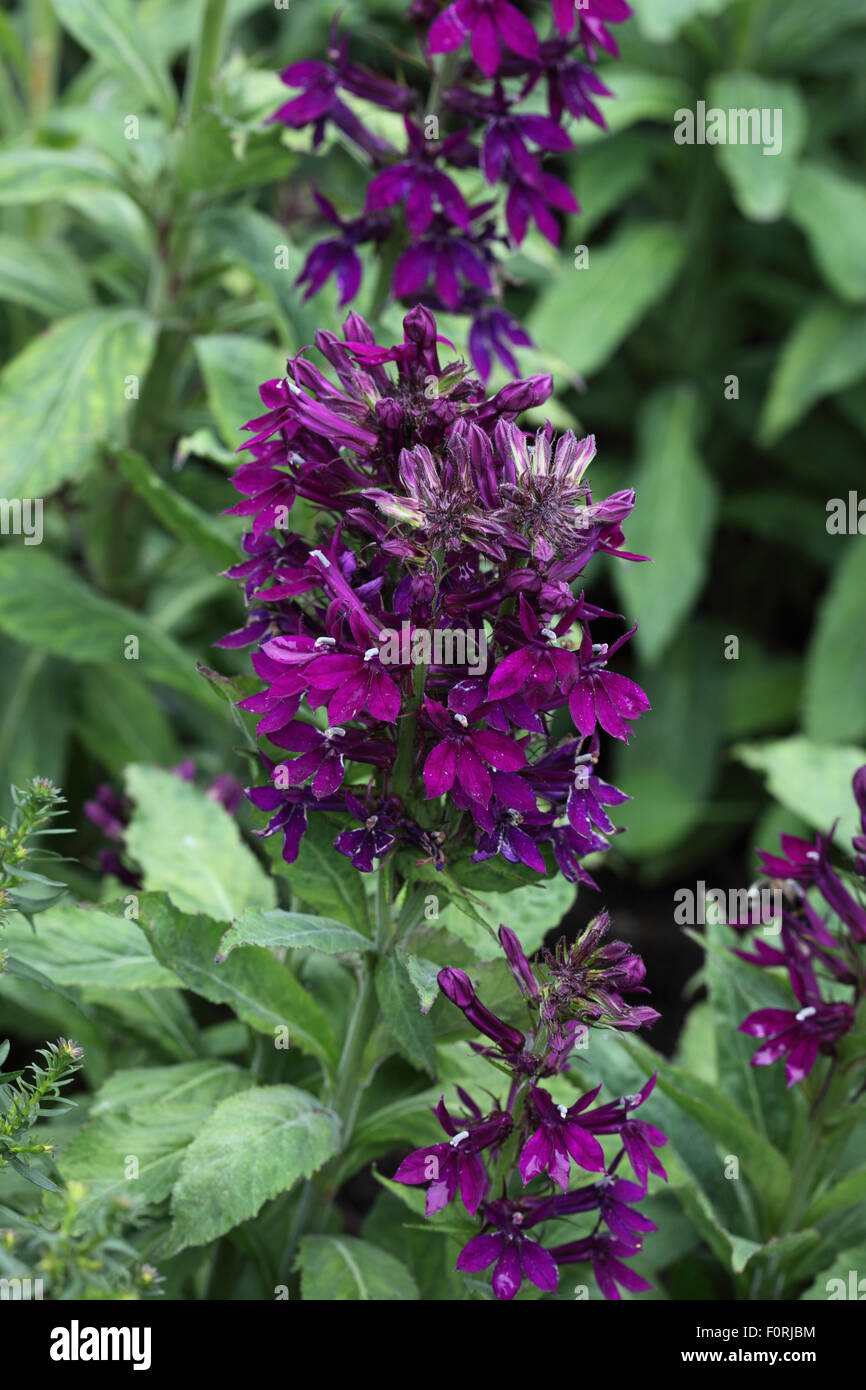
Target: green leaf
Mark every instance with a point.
(233, 368)
(836, 660)
(151, 1115)
(46, 606)
(211, 161)
(76, 946)
(424, 977)
(30, 175)
(46, 277)
(34, 727)
(793, 31)
(672, 522)
(180, 516)
(607, 174)
(190, 847)
(761, 1163)
(66, 393)
(812, 780)
(398, 1000)
(336, 1269)
(318, 876)
(761, 182)
(825, 353)
(109, 30)
(584, 315)
(843, 1194)
(252, 1147)
(672, 760)
(120, 720)
(531, 912)
(661, 20)
(831, 210)
(843, 1279)
(294, 931)
(252, 982)
(248, 238)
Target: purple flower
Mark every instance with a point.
(560, 1134)
(613, 1199)
(373, 840)
(798, 1036)
(602, 696)
(456, 1164)
(491, 332)
(446, 258)
(638, 1137)
(461, 755)
(419, 183)
(337, 255)
(607, 1257)
(456, 986)
(484, 23)
(515, 1255)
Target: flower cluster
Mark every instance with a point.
(416, 648)
(825, 966)
(513, 1165)
(471, 175)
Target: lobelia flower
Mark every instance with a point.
(533, 1139)
(797, 1036)
(817, 952)
(456, 1165)
(560, 1135)
(607, 1257)
(450, 261)
(486, 24)
(515, 1255)
(414, 494)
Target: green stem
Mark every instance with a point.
(206, 56)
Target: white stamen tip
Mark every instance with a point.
(325, 642)
(462, 720)
(370, 653)
(806, 1013)
(458, 1138)
(335, 732)
(323, 559)
(563, 1110)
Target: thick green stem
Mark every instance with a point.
(206, 56)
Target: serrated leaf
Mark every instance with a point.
(252, 982)
(340, 1268)
(424, 977)
(811, 779)
(76, 946)
(294, 931)
(398, 1001)
(66, 393)
(252, 1147)
(191, 848)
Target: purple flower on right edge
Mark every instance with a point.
(826, 971)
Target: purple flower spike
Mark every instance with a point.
(484, 23)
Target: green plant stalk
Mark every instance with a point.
(205, 57)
